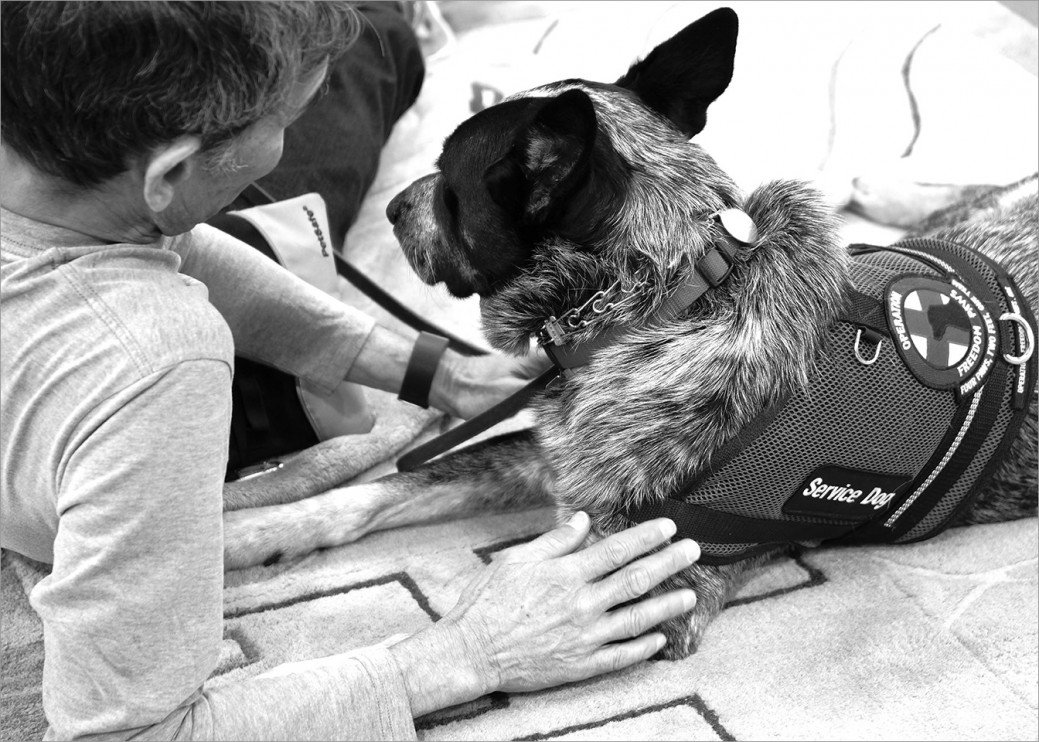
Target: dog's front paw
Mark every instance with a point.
(714, 586)
(684, 633)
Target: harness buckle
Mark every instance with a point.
(554, 331)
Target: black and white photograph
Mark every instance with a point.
(519, 370)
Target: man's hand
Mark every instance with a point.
(544, 614)
(465, 386)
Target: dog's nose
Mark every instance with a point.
(395, 207)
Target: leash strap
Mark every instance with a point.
(473, 427)
(385, 300)
(710, 271)
(254, 195)
(432, 341)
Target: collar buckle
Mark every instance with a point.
(552, 332)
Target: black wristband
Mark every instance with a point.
(422, 366)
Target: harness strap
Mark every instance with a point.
(971, 428)
(718, 527)
(865, 311)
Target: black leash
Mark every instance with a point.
(351, 273)
(474, 426)
(255, 195)
(709, 271)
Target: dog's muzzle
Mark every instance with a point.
(411, 214)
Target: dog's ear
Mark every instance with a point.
(685, 74)
(548, 161)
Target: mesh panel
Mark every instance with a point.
(870, 278)
(877, 418)
(944, 507)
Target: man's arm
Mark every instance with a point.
(276, 318)
(133, 609)
(280, 320)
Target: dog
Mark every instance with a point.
(579, 211)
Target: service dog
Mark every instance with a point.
(585, 219)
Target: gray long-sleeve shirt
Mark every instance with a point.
(115, 374)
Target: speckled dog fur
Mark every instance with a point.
(501, 219)
(576, 187)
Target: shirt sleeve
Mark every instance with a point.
(133, 608)
(275, 317)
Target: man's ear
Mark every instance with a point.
(550, 158)
(685, 74)
(166, 168)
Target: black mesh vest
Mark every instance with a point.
(913, 405)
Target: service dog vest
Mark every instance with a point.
(921, 388)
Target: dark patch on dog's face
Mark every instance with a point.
(509, 176)
(448, 224)
(480, 231)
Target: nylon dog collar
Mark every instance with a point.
(711, 270)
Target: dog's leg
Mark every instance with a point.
(714, 586)
(504, 473)
(310, 472)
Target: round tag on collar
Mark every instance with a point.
(739, 226)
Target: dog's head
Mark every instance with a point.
(555, 190)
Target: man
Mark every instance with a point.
(125, 126)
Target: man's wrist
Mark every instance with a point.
(440, 669)
(423, 366)
(445, 388)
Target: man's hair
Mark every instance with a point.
(86, 86)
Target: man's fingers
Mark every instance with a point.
(617, 550)
(617, 656)
(640, 577)
(558, 542)
(638, 618)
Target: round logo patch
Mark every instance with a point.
(942, 331)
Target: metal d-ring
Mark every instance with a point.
(858, 353)
(1029, 339)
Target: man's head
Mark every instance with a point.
(176, 92)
